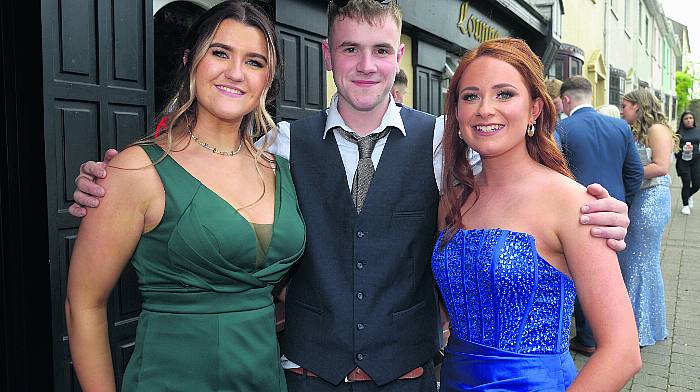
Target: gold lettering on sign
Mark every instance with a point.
(474, 27)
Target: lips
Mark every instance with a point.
(365, 83)
(230, 90)
(487, 129)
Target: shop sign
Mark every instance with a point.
(474, 27)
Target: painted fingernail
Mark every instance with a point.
(102, 173)
(595, 232)
(585, 208)
(585, 219)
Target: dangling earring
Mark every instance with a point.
(531, 129)
(459, 134)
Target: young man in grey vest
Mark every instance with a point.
(361, 307)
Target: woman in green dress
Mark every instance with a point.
(209, 221)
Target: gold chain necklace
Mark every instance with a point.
(214, 149)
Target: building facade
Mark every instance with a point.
(81, 76)
(619, 45)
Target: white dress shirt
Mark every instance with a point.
(349, 153)
(583, 105)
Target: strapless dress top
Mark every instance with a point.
(510, 313)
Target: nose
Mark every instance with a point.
(366, 63)
(485, 108)
(235, 71)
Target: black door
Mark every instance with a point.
(98, 93)
(303, 90)
(428, 91)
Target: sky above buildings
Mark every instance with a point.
(687, 13)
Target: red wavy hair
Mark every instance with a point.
(458, 179)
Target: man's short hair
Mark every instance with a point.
(401, 78)
(576, 87)
(367, 11)
(553, 85)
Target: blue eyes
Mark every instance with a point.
(224, 55)
(504, 95)
(501, 96)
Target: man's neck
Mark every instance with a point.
(362, 122)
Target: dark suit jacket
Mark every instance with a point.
(601, 149)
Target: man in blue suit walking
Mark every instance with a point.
(599, 149)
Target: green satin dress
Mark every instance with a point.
(208, 321)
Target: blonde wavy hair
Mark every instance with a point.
(650, 112)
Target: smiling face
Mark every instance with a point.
(494, 107)
(364, 59)
(629, 111)
(233, 73)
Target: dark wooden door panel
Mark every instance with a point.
(428, 91)
(304, 80)
(98, 94)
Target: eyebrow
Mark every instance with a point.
(351, 43)
(495, 86)
(230, 49)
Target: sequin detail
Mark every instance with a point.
(501, 293)
(640, 263)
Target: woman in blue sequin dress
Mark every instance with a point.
(511, 256)
(649, 213)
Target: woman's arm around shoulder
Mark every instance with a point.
(601, 291)
(107, 237)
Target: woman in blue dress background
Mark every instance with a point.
(649, 213)
(506, 260)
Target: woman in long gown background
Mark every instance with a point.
(208, 221)
(508, 264)
(649, 212)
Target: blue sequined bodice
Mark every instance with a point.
(501, 293)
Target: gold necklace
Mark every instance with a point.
(214, 149)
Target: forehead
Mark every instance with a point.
(488, 70)
(240, 36)
(383, 31)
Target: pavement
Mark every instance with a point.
(674, 364)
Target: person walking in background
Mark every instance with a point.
(609, 110)
(688, 160)
(509, 265)
(398, 90)
(599, 149)
(209, 221)
(649, 212)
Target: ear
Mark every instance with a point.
(394, 93)
(536, 109)
(399, 55)
(326, 49)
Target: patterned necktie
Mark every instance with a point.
(365, 167)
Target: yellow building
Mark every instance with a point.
(583, 26)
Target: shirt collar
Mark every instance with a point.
(391, 118)
(583, 105)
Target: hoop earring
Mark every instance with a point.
(531, 129)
